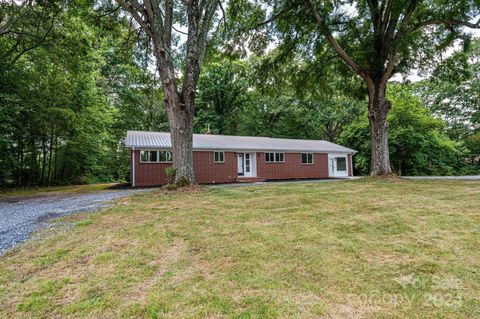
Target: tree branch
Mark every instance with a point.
(274, 17)
(446, 22)
(391, 42)
(223, 15)
(136, 15)
(40, 41)
(168, 22)
(333, 42)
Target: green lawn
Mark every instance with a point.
(353, 249)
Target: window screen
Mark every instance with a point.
(219, 157)
(153, 156)
(341, 164)
(274, 157)
(307, 158)
(144, 156)
(165, 156)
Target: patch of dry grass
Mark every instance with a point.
(356, 249)
(67, 189)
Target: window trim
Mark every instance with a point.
(313, 158)
(166, 161)
(223, 156)
(158, 157)
(274, 157)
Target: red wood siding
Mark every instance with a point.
(292, 167)
(206, 171)
(148, 174)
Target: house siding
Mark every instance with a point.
(292, 167)
(149, 174)
(208, 172)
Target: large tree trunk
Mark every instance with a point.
(181, 125)
(180, 112)
(378, 107)
(157, 21)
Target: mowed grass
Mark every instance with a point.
(354, 249)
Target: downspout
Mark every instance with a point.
(133, 166)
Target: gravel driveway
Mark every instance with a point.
(19, 219)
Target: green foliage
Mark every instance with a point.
(418, 143)
(170, 172)
(182, 182)
(222, 96)
(66, 104)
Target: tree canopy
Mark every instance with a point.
(75, 76)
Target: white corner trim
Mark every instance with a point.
(133, 166)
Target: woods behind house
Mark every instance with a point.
(74, 76)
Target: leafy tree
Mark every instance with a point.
(418, 143)
(375, 39)
(223, 94)
(157, 20)
(25, 25)
(453, 90)
(66, 104)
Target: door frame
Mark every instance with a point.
(252, 159)
(332, 165)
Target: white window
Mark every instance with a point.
(153, 157)
(219, 157)
(274, 157)
(149, 156)
(341, 164)
(144, 156)
(307, 158)
(165, 157)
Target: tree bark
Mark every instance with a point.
(378, 108)
(50, 153)
(181, 133)
(44, 160)
(55, 160)
(180, 112)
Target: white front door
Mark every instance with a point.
(247, 164)
(240, 164)
(337, 165)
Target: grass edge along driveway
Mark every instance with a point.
(354, 249)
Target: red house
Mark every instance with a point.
(229, 159)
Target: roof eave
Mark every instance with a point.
(348, 151)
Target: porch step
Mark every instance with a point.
(250, 179)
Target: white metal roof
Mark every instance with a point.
(156, 140)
